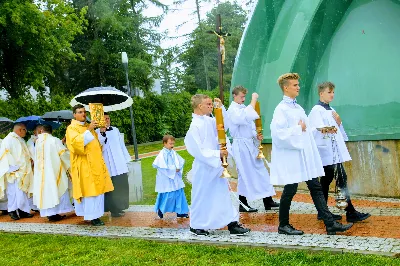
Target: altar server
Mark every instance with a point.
(295, 158)
(50, 180)
(169, 185)
(211, 207)
(253, 177)
(116, 157)
(332, 147)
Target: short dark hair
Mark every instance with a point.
(105, 113)
(47, 129)
(76, 107)
(166, 138)
(19, 124)
(326, 85)
(236, 90)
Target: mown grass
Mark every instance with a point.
(149, 179)
(153, 146)
(40, 249)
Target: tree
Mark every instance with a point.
(34, 35)
(233, 21)
(114, 26)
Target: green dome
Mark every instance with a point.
(354, 44)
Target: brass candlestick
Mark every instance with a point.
(259, 131)
(219, 118)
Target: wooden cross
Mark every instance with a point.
(221, 54)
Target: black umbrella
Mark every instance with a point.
(111, 98)
(60, 116)
(5, 124)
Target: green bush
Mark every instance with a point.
(155, 115)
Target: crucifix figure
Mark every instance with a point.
(221, 53)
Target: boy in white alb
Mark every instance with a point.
(169, 184)
(332, 148)
(211, 206)
(295, 158)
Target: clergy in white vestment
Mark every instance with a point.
(211, 206)
(16, 173)
(90, 177)
(50, 180)
(253, 177)
(31, 147)
(332, 147)
(3, 201)
(116, 157)
(169, 184)
(295, 158)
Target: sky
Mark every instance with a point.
(181, 19)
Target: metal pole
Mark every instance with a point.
(135, 147)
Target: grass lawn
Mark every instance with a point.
(38, 249)
(154, 146)
(149, 179)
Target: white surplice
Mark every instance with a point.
(332, 147)
(167, 178)
(211, 207)
(15, 172)
(294, 156)
(253, 179)
(90, 207)
(50, 183)
(115, 154)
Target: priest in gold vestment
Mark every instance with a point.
(90, 177)
(16, 173)
(50, 180)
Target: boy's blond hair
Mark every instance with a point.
(283, 79)
(326, 85)
(198, 99)
(167, 137)
(236, 90)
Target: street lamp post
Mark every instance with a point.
(125, 63)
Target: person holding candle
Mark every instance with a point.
(253, 177)
(295, 158)
(211, 206)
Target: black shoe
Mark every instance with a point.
(185, 215)
(97, 222)
(289, 230)
(337, 227)
(160, 214)
(269, 203)
(35, 210)
(199, 232)
(356, 216)
(14, 215)
(56, 217)
(23, 214)
(4, 212)
(334, 216)
(117, 214)
(242, 209)
(236, 228)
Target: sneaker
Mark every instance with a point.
(236, 228)
(357, 217)
(160, 214)
(199, 232)
(243, 209)
(185, 215)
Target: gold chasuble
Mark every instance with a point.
(89, 173)
(15, 156)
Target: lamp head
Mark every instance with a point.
(124, 58)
